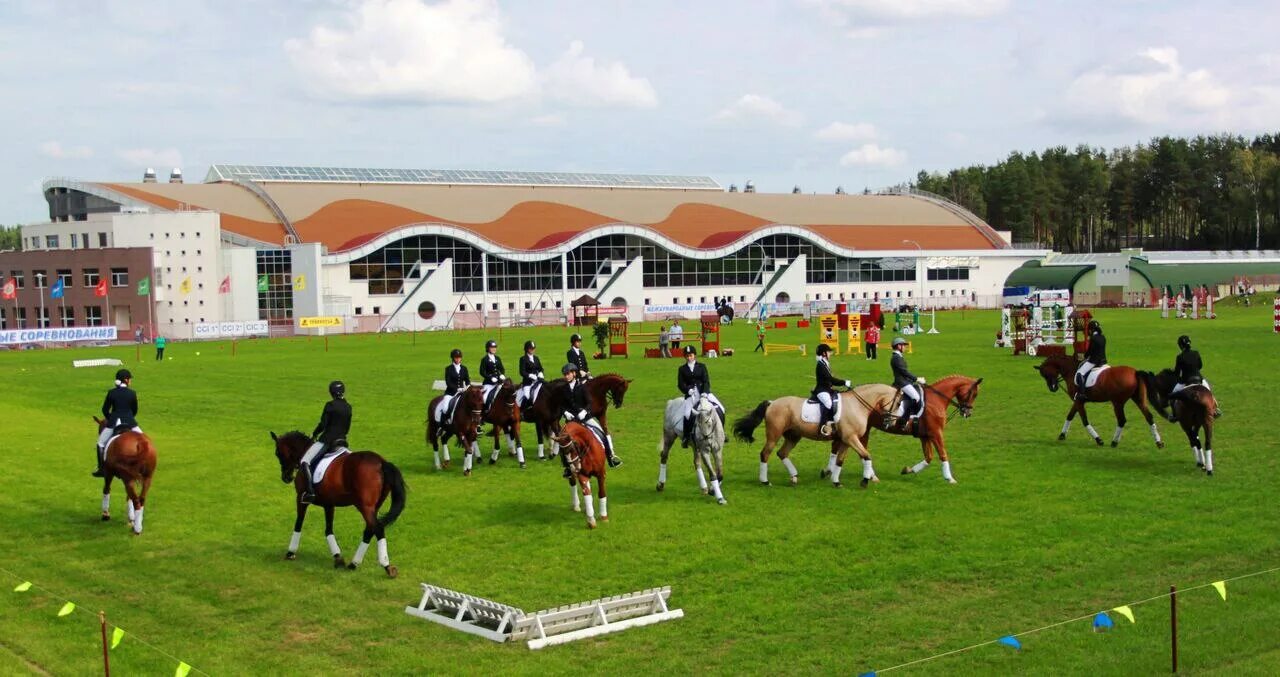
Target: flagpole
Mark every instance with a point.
(40, 289)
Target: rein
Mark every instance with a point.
(953, 401)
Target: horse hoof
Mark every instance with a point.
(795, 481)
(493, 462)
(864, 483)
(661, 486)
(1209, 473)
(466, 473)
(1062, 436)
(824, 474)
(392, 571)
(906, 470)
(338, 562)
(291, 555)
(704, 491)
(444, 465)
(604, 518)
(106, 517)
(351, 566)
(838, 485)
(1198, 465)
(1114, 444)
(523, 466)
(591, 524)
(766, 483)
(1159, 445)
(722, 501)
(951, 481)
(1098, 440)
(577, 509)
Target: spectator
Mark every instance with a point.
(137, 334)
(759, 337)
(160, 348)
(676, 334)
(873, 340)
(663, 342)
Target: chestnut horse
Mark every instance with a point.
(1116, 385)
(952, 391)
(465, 425)
(504, 414)
(362, 479)
(585, 456)
(1193, 410)
(549, 407)
(131, 457)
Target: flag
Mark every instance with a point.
(144, 287)
(1126, 612)
(67, 608)
(225, 287)
(262, 284)
(55, 292)
(183, 670)
(1221, 587)
(10, 290)
(299, 282)
(101, 288)
(116, 636)
(185, 287)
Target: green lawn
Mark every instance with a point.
(781, 580)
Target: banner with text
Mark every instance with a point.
(313, 322)
(214, 330)
(681, 308)
(59, 335)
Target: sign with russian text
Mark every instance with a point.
(213, 330)
(58, 335)
(682, 308)
(313, 322)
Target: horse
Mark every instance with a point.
(585, 456)
(783, 420)
(545, 412)
(362, 479)
(1116, 385)
(465, 425)
(504, 414)
(131, 457)
(1193, 410)
(708, 441)
(952, 391)
(725, 311)
(601, 390)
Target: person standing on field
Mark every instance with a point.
(160, 348)
(873, 340)
(759, 337)
(664, 341)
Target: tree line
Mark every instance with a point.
(1206, 192)
(10, 238)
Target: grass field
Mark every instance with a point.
(781, 580)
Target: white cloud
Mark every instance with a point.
(550, 120)
(57, 151)
(159, 159)
(869, 18)
(580, 80)
(872, 155)
(751, 107)
(843, 131)
(1152, 88)
(406, 50)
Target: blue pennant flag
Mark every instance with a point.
(55, 291)
(868, 674)
(1010, 640)
(1102, 622)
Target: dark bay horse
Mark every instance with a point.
(465, 425)
(362, 479)
(952, 391)
(1193, 410)
(504, 414)
(585, 456)
(601, 390)
(1116, 385)
(545, 412)
(131, 457)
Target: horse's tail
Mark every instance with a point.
(149, 453)
(392, 479)
(745, 426)
(1149, 391)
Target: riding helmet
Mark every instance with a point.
(899, 341)
(123, 375)
(574, 338)
(455, 353)
(1094, 326)
(490, 344)
(528, 345)
(1184, 342)
(337, 389)
(569, 368)
(823, 349)
(690, 350)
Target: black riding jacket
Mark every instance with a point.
(456, 378)
(120, 407)
(1097, 353)
(491, 369)
(695, 378)
(575, 400)
(530, 367)
(902, 376)
(577, 358)
(1187, 366)
(826, 380)
(335, 423)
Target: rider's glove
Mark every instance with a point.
(920, 380)
(848, 384)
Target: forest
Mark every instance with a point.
(1206, 192)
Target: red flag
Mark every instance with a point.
(225, 287)
(101, 289)
(10, 290)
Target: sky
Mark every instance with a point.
(809, 93)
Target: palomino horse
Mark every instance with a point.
(585, 457)
(1193, 411)
(465, 425)
(782, 419)
(131, 457)
(953, 391)
(1115, 385)
(504, 414)
(708, 443)
(361, 478)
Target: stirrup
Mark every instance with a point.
(98, 473)
(825, 429)
(307, 497)
(614, 461)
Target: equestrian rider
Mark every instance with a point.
(492, 373)
(577, 358)
(329, 435)
(1186, 367)
(693, 382)
(530, 373)
(906, 382)
(456, 378)
(119, 411)
(576, 410)
(824, 389)
(1095, 357)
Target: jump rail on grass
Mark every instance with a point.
(502, 623)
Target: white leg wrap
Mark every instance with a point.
(791, 467)
(1208, 460)
(137, 521)
(1092, 433)
(360, 550)
(520, 455)
(919, 467)
(867, 471)
(1066, 425)
(577, 502)
(541, 451)
(383, 558)
(436, 455)
(831, 463)
(129, 506)
(835, 474)
(494, 455)
(764, 472)
(946, 471)
(1116, 436)
(106, 500)
(715, 489)
(662, 473)
(604, 506)
(511, 443)
(591, 507)
(1155, 432)
(333, 545)
(1199, 460)
(445, 449)
(466, 462)
(702, 480)
(294, 540)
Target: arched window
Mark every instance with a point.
(782, 297)
(618, 302)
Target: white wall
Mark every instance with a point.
(306, 262)
(96, 225)
(186, 245)
(241, 305)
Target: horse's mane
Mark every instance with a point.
(961, 376)
(296, 435)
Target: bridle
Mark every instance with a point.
(573, 456)
(964, 406)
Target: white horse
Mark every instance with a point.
(708, 441)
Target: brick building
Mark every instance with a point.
(35, 272)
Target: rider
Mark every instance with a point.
(1094, 358)
(530, 372)
(823, 391)
(908, 383)
(693, 382)
(456, 378)
(1187, 368)
(492, 373)
(119, 410)
(577, 358)
(576, 410)
(329, 435)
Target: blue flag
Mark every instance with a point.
(56, 290)
(1010, 640)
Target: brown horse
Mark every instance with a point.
(585, 457)
(601, 390)
(131, 457)
(362, 479)
(545, 412)
(504, 414)
(465, 425)
(783, 420)
(952, 391)
(1116, 385)
(1193, 410)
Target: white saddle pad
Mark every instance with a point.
(111, 441)
(317, 475)
(811, 412)
(1092, 378)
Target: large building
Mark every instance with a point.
(427, 248)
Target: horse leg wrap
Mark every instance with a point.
(493, 458)
(1155, 432)
(867, 471)
(662, 473)
(294, 540)
(355, 561)
(1208, 460)
(702, 480)
(591, 507)
(466, 462)
(577, 502)
(333, 545)
(137, 522)
(106, 500)
(383, 558)
(129, 506)
(445, 449)
(541, 452)
(1116, 437)
(791, 467)
(604, 507)
(831, 463)
(436, 456)
(946, 471)
(715, 489)
(1066, 425)
(1199, 461)
(835, 474)
(1092, 432)
(520, 455)
(764, 472)
(511, 443)
(919, 467)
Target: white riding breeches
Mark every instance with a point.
(911, 392)
(825, 399)
(1179, 387)
(1083, 371)
(312, 452)
(108, 432)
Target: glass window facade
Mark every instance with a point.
(948, 274)
(276, 303)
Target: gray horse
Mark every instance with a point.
(708, 439)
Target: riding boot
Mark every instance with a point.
(687, 438)
(828, 415)
(310, 494)
(614, 461)
(97, 456)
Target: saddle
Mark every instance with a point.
(534, 391)
(317, 474)
(490, 397)
(1092, 377)
(811, 410)
(445, 410)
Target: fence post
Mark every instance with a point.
(1173, 625)
(106, 661)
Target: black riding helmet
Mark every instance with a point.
(528, 345)
(490, 344)
(455, 353)
(1094, 326)
(337, 389)
(575, 338)
(1184, 342)
(123, 375)
(690, 350)
(823, 349)
(566, 369)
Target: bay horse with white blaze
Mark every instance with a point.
(464, 425)
(362, 479)
(131, 457)
(952, 391)
(585, 456)
(1117, 385)
(1193, 410)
